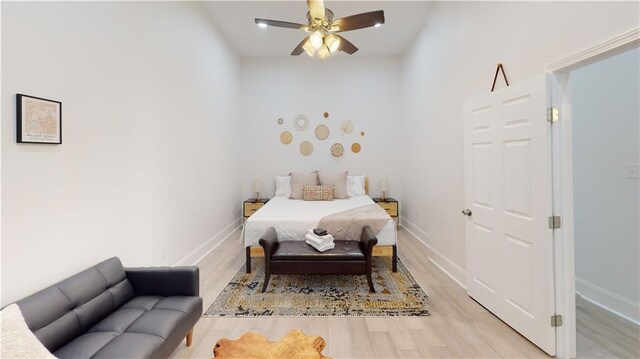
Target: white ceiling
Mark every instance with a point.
(235, 19)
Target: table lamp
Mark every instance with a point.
(257, 187)
(384, 187)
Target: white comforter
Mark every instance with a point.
(293, 217)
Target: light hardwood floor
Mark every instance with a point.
(600, 334)
(457, 326)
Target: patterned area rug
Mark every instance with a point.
(397, 294)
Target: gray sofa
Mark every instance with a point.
(108, 311)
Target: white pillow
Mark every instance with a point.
(355, 186)
(283, 186)
(16, 340)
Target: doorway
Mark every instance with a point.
(605, 105)
(597, 196)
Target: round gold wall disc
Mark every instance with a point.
(286, 137)
(346, 126)
(306, 148)
(337, 150)
(355, 148)
(322, 132)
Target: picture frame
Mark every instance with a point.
(38, 120)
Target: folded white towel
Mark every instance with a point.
(327, 236)
(318, 241)
(319, 248)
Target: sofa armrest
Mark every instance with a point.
(165, 281)
(367, 241)
(268, 242)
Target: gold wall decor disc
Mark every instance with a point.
(322, 132)
(346, 126)
(301, 122)
(355, 148)
(362, 133)
(337, 150)
(280, 121)
(326, 114)
(286, 137)
(306, 148)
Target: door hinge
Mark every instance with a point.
(555, 222)
(556, 320)
(553, 114)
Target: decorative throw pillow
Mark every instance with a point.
(16, 340)
(283, 186)
(299, 180)
(336, 179)
(317, 193)
(355, 186)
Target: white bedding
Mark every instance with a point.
(293, 217)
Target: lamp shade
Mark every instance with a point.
(316, 39)
(257, 185)
(308, 48)
(384, 185)
(323, 52)
(332, 42)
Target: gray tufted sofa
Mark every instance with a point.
(108, 311)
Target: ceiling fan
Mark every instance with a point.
(323, 39)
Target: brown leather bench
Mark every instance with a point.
(297, 257)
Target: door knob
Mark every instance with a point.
(467, 212)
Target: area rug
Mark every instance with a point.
(397, 294)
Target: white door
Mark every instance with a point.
(507, 156)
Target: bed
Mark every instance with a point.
(291, 219)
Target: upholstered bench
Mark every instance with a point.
(297, 257)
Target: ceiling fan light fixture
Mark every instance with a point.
(321, 30)
(332, 42)
(308, 48)
(316, 39)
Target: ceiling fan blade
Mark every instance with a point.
(347, 46)
(316, 9)
(300, 48)
(278, 23)
(360, 21)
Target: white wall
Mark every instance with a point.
(453, 60)
(149, 153)
(605, 107)
(365, 90)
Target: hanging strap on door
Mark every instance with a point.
(498, 69)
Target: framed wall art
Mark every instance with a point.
(39, 120)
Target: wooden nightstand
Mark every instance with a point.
(251, 205)
(391, 206)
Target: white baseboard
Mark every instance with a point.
(608, 300)
(449, 267)
(195, 256)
